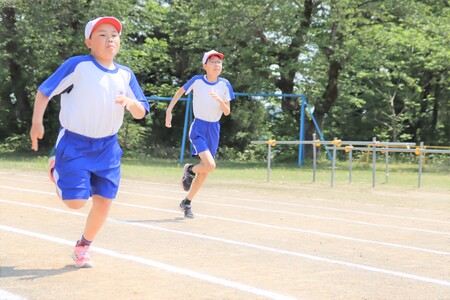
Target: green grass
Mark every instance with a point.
(405, 176)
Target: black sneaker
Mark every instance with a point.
(187, 209)
(187, 179)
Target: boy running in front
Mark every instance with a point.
(95, 92)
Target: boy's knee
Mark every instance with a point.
(210, 167)
(75, 203)
(101, 203)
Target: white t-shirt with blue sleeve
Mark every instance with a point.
(88, 93)
(205, 107)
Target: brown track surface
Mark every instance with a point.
(263, 241)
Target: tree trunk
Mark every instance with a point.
(22, 108)
(289, 58)
(331, 93)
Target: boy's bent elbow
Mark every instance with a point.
(141, 116)
(138, 116)
(138, 111)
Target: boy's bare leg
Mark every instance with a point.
(97, 216)
(207, 163)
(95, 220)
(74, 204)
(201, 170)
(196, 185)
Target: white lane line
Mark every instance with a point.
(337, 236)
(338, 210)
(303, 215)
(26, 190)
(304, 206)
(158, 265)
(330, 218)
(264, 248)
(267, 202)
(5, 295)
(439, 252)
(287, 228)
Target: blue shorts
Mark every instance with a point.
(87, 166)
(204, 136)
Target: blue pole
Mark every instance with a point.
(266, 95)
(318, 128)
(302, 131)
(186, 118)
(191, 119)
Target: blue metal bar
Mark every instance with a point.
(191, 119)
(302, 131)
(302, 119)
(186, 119)
(269, 95)
(157, 98)
(317, 127)
(188, 101)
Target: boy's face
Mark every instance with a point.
(213, 65)
(104, 42)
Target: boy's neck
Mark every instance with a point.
(106, 63)
(211, 78)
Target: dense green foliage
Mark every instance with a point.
(369, 68)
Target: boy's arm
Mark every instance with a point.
(174, 101)
(136, 109)
(37, 125)
(224, 105)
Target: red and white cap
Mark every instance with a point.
(91, 25)
(209, 54)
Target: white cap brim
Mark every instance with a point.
(211, 53)
(91, 25)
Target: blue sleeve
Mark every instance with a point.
(230, 88)
(138, 93)
(191, 81)
(57, 78)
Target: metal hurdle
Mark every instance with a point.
(418, 150)
(317, 143)
(377, 146)
(273, 143)
(337, 145)
(350, 146)
(374, 144)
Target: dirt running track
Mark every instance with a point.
(246, 242)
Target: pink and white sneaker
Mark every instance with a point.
(82, 257)
(51, 167)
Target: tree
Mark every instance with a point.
(395, 63)
(368, 67)
(35, 45)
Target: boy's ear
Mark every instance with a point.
(88, 43)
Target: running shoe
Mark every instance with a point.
(186, 208)
(51, 168)
(187, 179)
(82, 257)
